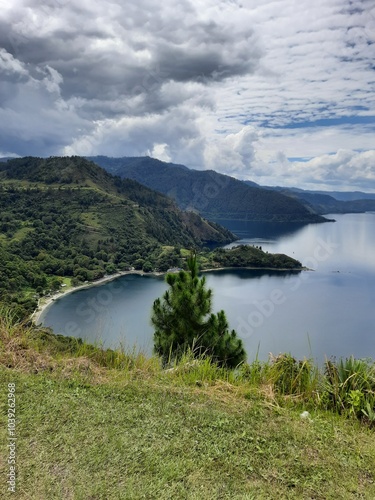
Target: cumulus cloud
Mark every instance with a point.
(323, 172)
(243, 88)
(102, 63)
(160, 152)
(357, 168)
(233, 152)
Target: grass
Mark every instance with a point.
(21, 233)
(94, 424)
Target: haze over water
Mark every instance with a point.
(326, 312)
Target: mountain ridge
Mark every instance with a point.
(215, 196)
(326, 203)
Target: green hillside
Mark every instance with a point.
(68, 218)
(212, 194)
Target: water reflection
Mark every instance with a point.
(326, 312)
(261, 230)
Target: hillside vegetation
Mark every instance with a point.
(213, 195)
(248, 256)
(66, 218)
(111, 425)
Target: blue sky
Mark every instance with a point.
(278, 91)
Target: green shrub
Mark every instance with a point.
(291, 377)
(350, 386)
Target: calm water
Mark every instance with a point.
(326, 312)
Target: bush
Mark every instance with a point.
(291, 377)
(350, 387)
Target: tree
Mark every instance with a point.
(147, 267)
(183, 320)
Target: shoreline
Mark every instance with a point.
(253, 268)
(45, 302)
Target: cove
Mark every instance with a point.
(329, 311)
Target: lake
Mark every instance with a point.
(328, 311)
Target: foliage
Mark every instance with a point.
(183, 320)
(66, 217)
(290, 376)
(250, 256)
(350, 387)
(212, 194)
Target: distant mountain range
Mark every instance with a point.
(331, 201)
(215, 196)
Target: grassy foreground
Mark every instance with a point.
(93, 424)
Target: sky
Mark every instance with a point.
(281, 92)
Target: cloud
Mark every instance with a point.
(161, 152)
(233, 153)
(33, 117)
(323, 172)
(242, 87)
(357, 168)
(113, 50)
(11, 69)
(177, 132)
(97, 65)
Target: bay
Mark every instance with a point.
(328, 311)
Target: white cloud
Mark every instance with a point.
(232, 153)
(323, 172)
(10, 66)
(160, 152)
(235, 86)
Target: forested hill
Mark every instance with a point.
(67, 217)
(212, 194)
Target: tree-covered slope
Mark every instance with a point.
(211, 194)
(249, 256)
(67, 217)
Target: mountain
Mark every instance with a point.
(348, 195)
(67, 217)
(213, 195)
(328, 202)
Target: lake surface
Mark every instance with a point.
(329, 311)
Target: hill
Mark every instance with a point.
(348, 195)
(325, 202)
(213, 195)
(67, 218)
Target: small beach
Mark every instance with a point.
(45, 302)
